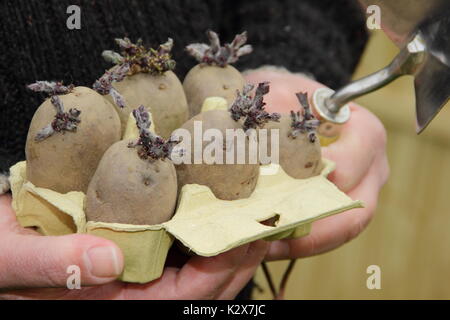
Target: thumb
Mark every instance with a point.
(44, 261)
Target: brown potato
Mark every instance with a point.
(300, 158)
(162, 95)
(227, 181)
(66, 161)
(128, 189)
(205, 81)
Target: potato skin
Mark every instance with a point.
(127, 189)
(227, 181)
(205, 81)
(162, 95)
(299, 157)
(66, 162)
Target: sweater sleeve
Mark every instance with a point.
(323, 38)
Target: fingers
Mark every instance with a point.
(209, 275)
(200, 278)
(362, 139)
(246, 271)
(28, 261)
(220, 277)
(204, 278)
(110, 291)
(331, 232)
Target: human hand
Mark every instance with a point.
(361, 167)
(34, 267)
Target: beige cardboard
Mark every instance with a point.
(144, 247)
(50, 212)
(206, 225)
(209, 226)
(214, 103)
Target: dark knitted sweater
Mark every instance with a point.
(324, 38)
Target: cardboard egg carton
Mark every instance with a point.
(204, 224)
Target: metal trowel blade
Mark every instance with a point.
(432, 80)
(432, 86)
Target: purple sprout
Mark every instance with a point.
(140, 59)
(150, 146)
(50, 87)
(63, 121)
(104, 85)
(252, 109)
(133, 58)
(306, 122)
(215, 54)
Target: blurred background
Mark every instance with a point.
(408, 237)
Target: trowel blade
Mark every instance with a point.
(432, 86)
(432, 80)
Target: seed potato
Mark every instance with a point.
(300, 158)
(66, 161)
(128, 189)
(205, 81)
(227, 181)
(163, 95)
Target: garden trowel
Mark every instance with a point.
(421, 29)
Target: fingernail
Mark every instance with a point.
(103, 262)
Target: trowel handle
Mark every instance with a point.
(333, 116)
(406, 62)
(362, 86)
(332, 107)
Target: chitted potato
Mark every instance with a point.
(214, 76)
(144, 76)
(131, 190)
(163, 95)
(205, 81)
(300, 153)
(227, 181)
(299, 157)
(66, 160)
